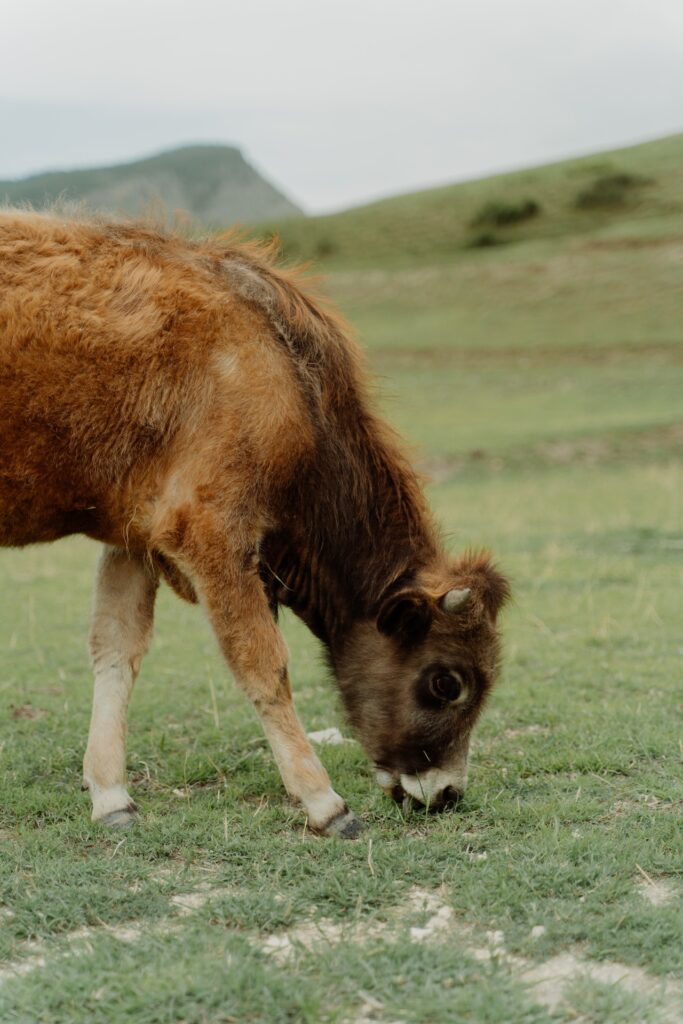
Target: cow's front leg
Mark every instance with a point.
(228, 583)
(119, 637)
(303, 775)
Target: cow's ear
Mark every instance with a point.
(406, 616)
(496, 589)
(490, 589)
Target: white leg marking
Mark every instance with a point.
(120, 634)
(304, 777)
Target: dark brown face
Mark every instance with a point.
(414, 681)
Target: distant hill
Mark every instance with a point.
(214, 184)
(627, 191)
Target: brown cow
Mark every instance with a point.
(191, 407)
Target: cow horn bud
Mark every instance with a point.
(456, 600)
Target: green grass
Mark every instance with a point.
(576, 785)
(541, 385)
(574, 292)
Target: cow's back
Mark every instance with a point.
(108, 338)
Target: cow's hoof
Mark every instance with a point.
(124, 818)
(345, 826)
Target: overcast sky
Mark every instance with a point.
(337, 102)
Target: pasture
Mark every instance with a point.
(540, 384)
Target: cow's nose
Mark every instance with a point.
(449, 799)
(397, 793)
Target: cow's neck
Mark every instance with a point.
(355, 525)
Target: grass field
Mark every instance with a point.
(541, 384)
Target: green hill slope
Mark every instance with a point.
(623, 191)
(533, 315)
(214, 184)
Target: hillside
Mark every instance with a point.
(628, 191)
(558, 332)
(213, 184)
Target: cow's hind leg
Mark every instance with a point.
(226, 575)
(119, 637)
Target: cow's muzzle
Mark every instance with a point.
(435, 790)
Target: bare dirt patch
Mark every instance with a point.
(548, 980)
(625, 244)
(656, 891)
(371, 1009)
(281, 946)
(331, 737)
(529, 355)
(588, 451)
(75, 943)
(28, 711)
(648, 802)
(188, 902)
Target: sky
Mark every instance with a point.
(337, 102)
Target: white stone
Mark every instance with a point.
(332, 736)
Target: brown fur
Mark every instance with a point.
(190, 404)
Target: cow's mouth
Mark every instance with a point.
(447, 800)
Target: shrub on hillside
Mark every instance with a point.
(483, 240)
(499, 214)
(325, 247)
(609, 190)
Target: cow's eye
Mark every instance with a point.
(446, 686)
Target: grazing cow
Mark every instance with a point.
(190, 406)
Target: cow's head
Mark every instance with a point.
(414, 680)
